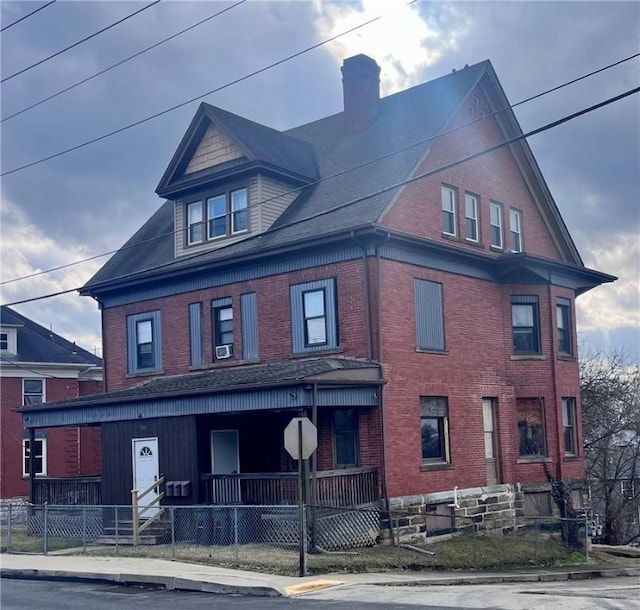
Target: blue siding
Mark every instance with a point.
(132, 320)
(249, 315)
(290, 397)
(195, 334)
(429, 314)
(297, 316)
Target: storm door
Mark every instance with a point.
(145, 473)
(225, 461)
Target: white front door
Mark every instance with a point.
(225, 459)
(145, 473)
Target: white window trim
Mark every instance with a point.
(44, 457)
(12, 340)
(496, 206)
(189, 206)
(453, 201)
(475, 199)
(517, 214)
(44, 387)
(232, 212)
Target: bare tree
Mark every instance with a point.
(610, 392)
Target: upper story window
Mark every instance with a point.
(144, 342)
(495, 217)
(515, 229)
(222, 328)
(449, 197)
(563, 321)
(471, 217)
(429, 315)
(314, 316)
(218, 216)
(525, 324)
(8, 341)
(32, 391)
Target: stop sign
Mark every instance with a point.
(300, 428)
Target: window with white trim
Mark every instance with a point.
(314, 316)
(32, 391)
(8, 341)
(4, 342)
(39, 456)
(144, 342)
(222, 310)
(449, 198)
(515, 229)
(495, 218)
(471, 230)
(569, 426)
(215, 217)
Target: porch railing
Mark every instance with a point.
(68, 490)
(345, 487)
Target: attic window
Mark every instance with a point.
(216, 217)
(8, 343)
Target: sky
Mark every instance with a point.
(90, 201)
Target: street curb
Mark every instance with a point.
(168, 582)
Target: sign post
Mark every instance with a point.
(300, 441)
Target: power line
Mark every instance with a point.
(198, 97)
(75, 44)
(343, 172)
(396, 185)
(6, 27)
(126, 59)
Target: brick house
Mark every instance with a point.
(37, 365)
(419, 308)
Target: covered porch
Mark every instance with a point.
(219, 443)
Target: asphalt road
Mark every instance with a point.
(600, 594)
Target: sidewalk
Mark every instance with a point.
(194, 577)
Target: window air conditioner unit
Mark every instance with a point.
(224, 351)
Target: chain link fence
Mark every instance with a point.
(267, 538)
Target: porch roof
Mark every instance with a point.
(340, 382)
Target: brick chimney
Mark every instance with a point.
(361, 90)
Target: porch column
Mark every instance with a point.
(32, 466)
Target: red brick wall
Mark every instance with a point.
(273, 314)
(494, 176)
(70, 451)
(477, 364)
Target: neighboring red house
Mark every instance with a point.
(419, 307)
(37, 365)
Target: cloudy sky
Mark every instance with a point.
(89, 201)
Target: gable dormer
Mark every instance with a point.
(8, 341)
(231, 178)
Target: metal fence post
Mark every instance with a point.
(45, 533)
(235, 531)
(84, 530)
(117, 532)
(398, 542)
(172, 516)
(535, 536)
(586, 537)
(9, 527)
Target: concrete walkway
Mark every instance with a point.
(195, 577)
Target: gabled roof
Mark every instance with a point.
(36, 344)
(352, 169)
(265, 147)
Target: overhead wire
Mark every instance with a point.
(6, 27)
(119, 63)
(343, 172)
(79, 42)
(197, 97)
(395, 185)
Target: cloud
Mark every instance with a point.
(405, 42)
(613, 310)
(26, 249)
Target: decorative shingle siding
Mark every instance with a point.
(214, 148)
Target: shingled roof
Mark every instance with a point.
(352, 168)
(36, 344)
(327, 369)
